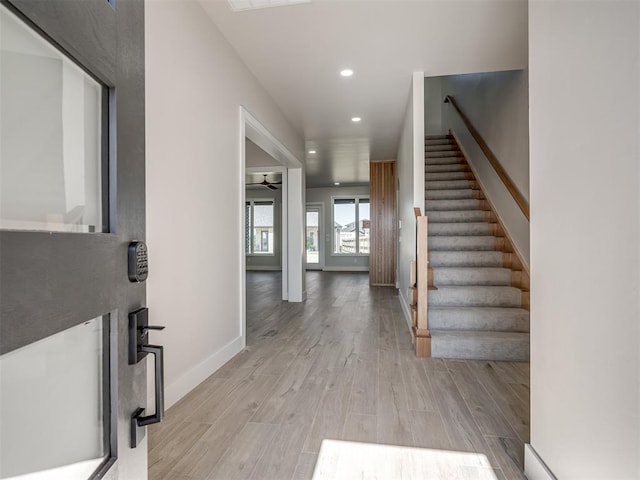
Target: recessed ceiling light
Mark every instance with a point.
(356, 119)
(347, 72)
(336, 183)
(311, 152)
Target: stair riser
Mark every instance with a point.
(459, 229)
(516, 350)
(448, 137)
(441, 154)
(475, 297)
(465, 259)
(444, 161)
(478, 319)
(441, 145)
(440, 176)
(449, 184)
(462, 243)
(438, 143)
(453, 167)
(443, 277)
(458, 216)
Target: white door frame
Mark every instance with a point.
(293, 200)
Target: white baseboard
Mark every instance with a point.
(405, 309)
(534, 467)
(196, 375)
(263, 268)
(345, 269)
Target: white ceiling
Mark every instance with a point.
(297, 52)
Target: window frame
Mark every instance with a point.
(250, 202)
(357, 199)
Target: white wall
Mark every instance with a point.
(410, 163)
(406, 217)
(584, 82)
(497, 104)
(336, 262)
(417, 95)
(196, 84)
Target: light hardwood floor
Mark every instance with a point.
(339, 366)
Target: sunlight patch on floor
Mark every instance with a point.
(340, 460)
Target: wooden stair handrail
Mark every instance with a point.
(493, 160)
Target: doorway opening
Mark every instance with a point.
(273, 214)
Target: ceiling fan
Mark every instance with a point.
(265, 183)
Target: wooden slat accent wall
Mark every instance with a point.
(382, 194)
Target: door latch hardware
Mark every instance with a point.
(139, 347)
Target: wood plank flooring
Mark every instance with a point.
(339, 366)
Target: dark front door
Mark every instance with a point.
(72, 159)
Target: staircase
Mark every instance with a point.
(478, 308)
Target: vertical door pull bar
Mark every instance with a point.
(158, 356)
(139, 347)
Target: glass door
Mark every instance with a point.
(71, 200)
(314, 237)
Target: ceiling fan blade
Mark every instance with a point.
(271, 187)
(275, 183)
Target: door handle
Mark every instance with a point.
(138, 349)
(158, 361)
(137, 419)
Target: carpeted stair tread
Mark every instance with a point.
(440, 176)
(480, 345)
(446, 147)
(452, 204)
(461, 243)
(466, 259)
(455, 216)
(450, 276)
(452, 194)
(475, 296)
(458, 229)
(503, 319)
(446, 184)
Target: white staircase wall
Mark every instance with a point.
(585, 239)
(410, 163)
(497, 104)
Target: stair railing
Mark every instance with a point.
(420, 329)
(493, 160)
